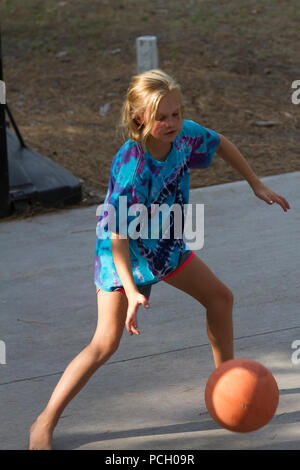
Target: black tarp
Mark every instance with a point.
(36, 178)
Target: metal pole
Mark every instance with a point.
(5, 203)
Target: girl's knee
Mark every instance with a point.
(227, 295)
(224, 296)
(103, 350)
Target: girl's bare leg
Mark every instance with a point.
(197, 280)
(112, 310)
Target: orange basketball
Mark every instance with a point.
(241, 395)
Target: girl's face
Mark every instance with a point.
(168, 118)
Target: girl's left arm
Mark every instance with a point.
(228, 151)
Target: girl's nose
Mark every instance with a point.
(171, 123)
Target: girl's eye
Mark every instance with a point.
(162, 118)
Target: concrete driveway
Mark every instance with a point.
(150, 394)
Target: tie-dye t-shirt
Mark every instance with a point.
(145, 180)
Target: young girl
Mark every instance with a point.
(152, 167)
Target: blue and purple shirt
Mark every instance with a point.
(150, 182)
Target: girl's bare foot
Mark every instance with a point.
(40, 435)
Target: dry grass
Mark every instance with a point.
(235, 60)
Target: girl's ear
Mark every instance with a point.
(138, 121)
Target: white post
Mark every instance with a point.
(146, 53)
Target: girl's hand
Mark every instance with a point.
(266, 194)
(134, 301)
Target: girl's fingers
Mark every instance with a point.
(131, 324)
(131, 321)
(285, 203)
(133, 329)
(271, 198)
(282, 202)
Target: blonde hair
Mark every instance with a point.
(144, 94)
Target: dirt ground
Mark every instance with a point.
(235, 60)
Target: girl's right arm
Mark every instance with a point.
(121, 257)
(120, 251)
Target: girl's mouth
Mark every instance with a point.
(171, 132)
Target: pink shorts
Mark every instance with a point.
(146, 290)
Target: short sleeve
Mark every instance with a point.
(125, 191)
(204, 143)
